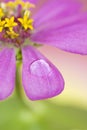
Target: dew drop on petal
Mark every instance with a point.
(40, 68)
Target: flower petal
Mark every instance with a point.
(7, 72)
(41, 79)
(33, 1)
(72, 38)
(64, 27)
(55, 10)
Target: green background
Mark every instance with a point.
(40, 115)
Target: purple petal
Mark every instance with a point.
(64, 27)
(7, 72)
(72, 38)
(41, 79)
(33, 1)
(55, 10)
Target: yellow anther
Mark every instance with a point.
(20, 2)
(12, 34)
(14, 3)
(1, 13)
(10, 23)
(2, 23)
(11, 4)
(25, 21)
(25, 5)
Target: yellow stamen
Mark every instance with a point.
(25, 5)
(9, 19)
(2, 23)
(10, 23)
(12, 34)
(10, 4)
(1, 13)
(25, 21)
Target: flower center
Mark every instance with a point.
(15, 22)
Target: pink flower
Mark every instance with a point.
(55, 22)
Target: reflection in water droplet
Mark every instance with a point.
(40, 68)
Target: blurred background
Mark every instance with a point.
(68, 111)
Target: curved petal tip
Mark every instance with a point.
(41, 79)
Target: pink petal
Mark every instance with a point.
(61, 24)
(32, 1)
(72, 38)
(55, 10)
(41, 79)
(7, 72)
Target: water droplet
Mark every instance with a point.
(40, 68)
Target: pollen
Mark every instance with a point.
(25, 21)
(16, 23)
(25, 5)
(12, 34)
(10, 23)
(1, 13)
(2, 23)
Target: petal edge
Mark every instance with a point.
(7, 72)
(41, 80)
